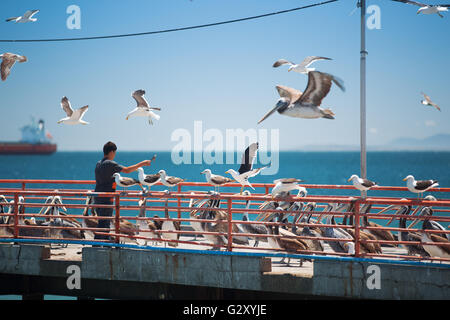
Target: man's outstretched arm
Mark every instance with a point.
(136, 166)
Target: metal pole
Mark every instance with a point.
(363, 52)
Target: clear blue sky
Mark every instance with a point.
(222, 75)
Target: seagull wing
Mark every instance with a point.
(424, 184)
(319, 84)
(412, 2)
(428, 99)
(65, 105)
(281, 62)
(220, 180)
(79, 113)
(292, 94)
(33, 12)
(367, 183)
(248, 158)
(138, 95)
(308, 60)
(126, 181)
(174, 180)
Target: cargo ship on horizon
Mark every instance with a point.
(35, 140)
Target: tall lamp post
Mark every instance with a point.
(363, 52)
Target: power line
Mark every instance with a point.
(173, 30)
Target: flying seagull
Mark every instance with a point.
(215, 179)
(428, 102)
(246, 169)
(419, 186)
(306, 105)
(73, 117)
(8, 61)
(362, 184)
(27, 17)
(301, 67)
(143, 109)
(427, 8)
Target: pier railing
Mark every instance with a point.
(224, 228)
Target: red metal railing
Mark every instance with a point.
(123, 203)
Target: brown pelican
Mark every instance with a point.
(8, 61)
(307, 105)
(258, 229)
(246, 169)
(442, 251)
(431, 225)
(385, 235)
(147, 227)
(215, 179)
(314, 245)
(170, 225)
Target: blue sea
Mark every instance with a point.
(386, 168)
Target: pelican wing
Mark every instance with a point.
(138, 95)
(412, 2)
(308, 60)
(292, 94)
(6, 66)
(281, 62)
(65, 105)
(248, 158)
(319, 84)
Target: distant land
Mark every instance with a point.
(438, 142)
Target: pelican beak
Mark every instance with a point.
(391, 207)
(281, 103)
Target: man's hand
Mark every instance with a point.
(153, 158)
(146, 162)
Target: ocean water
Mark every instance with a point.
(386, 168)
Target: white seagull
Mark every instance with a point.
(294, 103)
(27, 17)
(362, 184)
(420, 186)
(169, 181)
(125, 182)
(215, 179)
(428, 102)
(285, 185)
(301, 67)
(142, 109)
(428, 8)
(246, 169)
(8, 61)
(73, 117)
(148, 179)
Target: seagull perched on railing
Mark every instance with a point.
(27, 17)
(301, 67)
(143, 109)
(148, 179)
(362, 184)
(215, 179)
(246, 169)
(427, 8)
(306, 105)
(126, 182)
(73, 117)
(8, 61)
(169, 181)
(420, 186)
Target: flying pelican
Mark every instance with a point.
(253, 228)
(428, 8)
(73, 117)
(306, 105)
(27, 17)
(215, 179)
(148, 179)
(143, 109)
(8, 61)
(420, 186)
(169, 181)
(126, 182)
(362, 184)
(246, 169)
(428, 102)
(301, 67)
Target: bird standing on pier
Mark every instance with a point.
(148, 179)
(147, 228)
(313, 245)
(27, 17)
(420, 186)
(246, 169)
(427, 8)
(384, 235)
(169, 181)
(126, 182)
(73, 117)
(434, 250)
(307, 105)
(170, 225)
(258, 229)
(215, 179)
(143, 109)
(8, 61)
(362, 184)
(301, 67)
(428, 102)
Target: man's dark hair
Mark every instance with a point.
(108, 147)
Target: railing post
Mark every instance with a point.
(117, 218)
(16, 215)
(357, 237)
(23, 185)
(179, 201)
(230, 226)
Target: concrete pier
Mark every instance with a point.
(31, 270)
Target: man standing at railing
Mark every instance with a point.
(104, 180)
